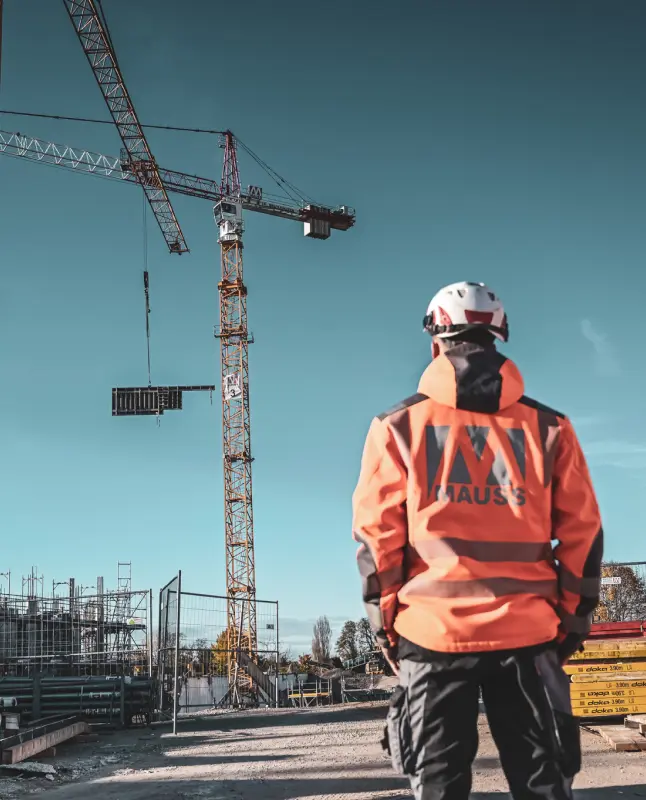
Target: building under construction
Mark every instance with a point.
(79, 631)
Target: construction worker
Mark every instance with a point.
(463, 488)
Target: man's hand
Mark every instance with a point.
(390, 654)
(570, 644)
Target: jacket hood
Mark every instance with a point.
(473, 378)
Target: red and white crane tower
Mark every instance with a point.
(137, 165)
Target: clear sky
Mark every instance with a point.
(500, 141)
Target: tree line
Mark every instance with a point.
(355, 638)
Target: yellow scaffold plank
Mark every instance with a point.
(618, 666)
(616, 678)
(616, 652)
(608, 711)
(615, 644)
(608, 689)
(609, 702)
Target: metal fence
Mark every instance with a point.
(195, 653)
(623, 592)
(102, 634)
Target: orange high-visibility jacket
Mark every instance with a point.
(463, 488)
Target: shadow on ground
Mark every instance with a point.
(208, 759)
(115, 789)
(388, 788)
(278, 720)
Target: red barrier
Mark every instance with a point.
(617, 630)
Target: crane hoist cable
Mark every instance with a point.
(146, 284)
(283, 183)
(107, 122)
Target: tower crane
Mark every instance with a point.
(230, 201)
(136, 164)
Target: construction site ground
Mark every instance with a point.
(311, 754)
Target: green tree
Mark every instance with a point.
(366, 641)
(346, 645)
(322, 640)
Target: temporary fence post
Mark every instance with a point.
(161, 647)
(176, 671)
(277, 659)
(150, 634)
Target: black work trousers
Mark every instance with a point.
(433, 722)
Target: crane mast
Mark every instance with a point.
(236, 428)
(94, 36)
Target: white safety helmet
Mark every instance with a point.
(463, 306)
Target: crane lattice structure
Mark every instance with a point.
(92, 31)
(136, 164)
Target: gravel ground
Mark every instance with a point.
(322, 754)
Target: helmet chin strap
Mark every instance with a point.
(435, 349)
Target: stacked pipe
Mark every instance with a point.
(99, 698)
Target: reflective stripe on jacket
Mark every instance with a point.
(462, 489)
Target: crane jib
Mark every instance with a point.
(96, 42)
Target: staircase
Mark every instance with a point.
(266, 689)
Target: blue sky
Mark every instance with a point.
(497, 141)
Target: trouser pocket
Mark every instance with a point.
(569, 735)
(397, 733)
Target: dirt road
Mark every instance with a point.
(330, 754)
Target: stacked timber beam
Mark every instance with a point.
(631, 737)
(608, 678)
(41, 738)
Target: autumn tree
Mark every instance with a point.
(305, 664)
(222, 648)
(366, 641)
(346, 645)
(322, 640)
(621, 602)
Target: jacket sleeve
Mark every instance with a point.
(381, 529)
(576, 524)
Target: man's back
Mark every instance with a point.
(463, 487)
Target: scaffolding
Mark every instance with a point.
(310, 691)
(76, 634)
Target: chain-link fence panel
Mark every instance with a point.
(169, 611)
(208, 652)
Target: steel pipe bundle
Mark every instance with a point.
(107, 698)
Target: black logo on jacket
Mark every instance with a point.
(497, 472)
